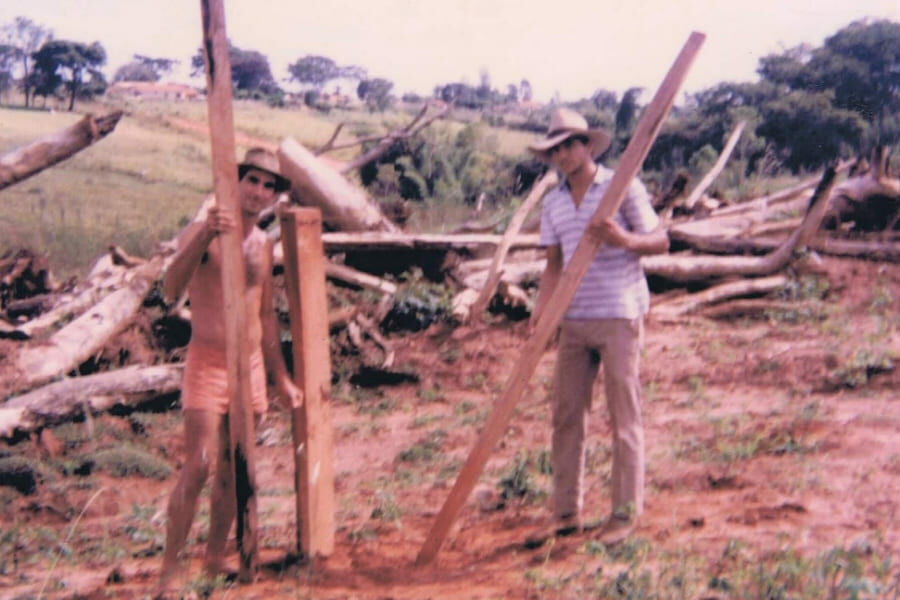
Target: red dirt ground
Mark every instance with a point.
(759, 452)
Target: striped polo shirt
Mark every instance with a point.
(614, 286)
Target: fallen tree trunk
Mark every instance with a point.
(518, 272)
(344, 206)
(733, 225)
(346, 274)
(764, 203)
(870, 202)
(693, 268)
(45, 152)
(386, 142)
(746, 307)
(70, 398)
(888, 251)
(683, 305)
(340, 242)
(68, 305)
(86, 335)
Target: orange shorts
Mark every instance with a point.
(205, 385)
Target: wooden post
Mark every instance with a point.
(237, 350)
(631, 161)
(304, 271)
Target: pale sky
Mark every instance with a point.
(570, 47)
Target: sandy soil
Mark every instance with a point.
(764, 465)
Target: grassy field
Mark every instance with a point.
(137, 186)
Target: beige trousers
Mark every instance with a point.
(583, 346)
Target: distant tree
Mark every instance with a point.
(626, 116)
(314, 70)
(66, 63)
(353, 72)
(250, 71)
(144, 68)
(512, 93)
(604, 99)
(375, 92)
(484, 86)
(464, 95)
(26, 37)
(808, 130)
(525, 91)
(860, 65)
(8, 61)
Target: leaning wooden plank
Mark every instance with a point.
(79, 340)
(631, 161)
(304, 271)
(494, 273)
(45, 152)
(717, 168)
(215, 50)
(344, 206)
(69, 398)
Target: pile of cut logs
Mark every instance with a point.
(730, 252)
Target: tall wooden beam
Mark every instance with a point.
(646, 132)
(304, 271)
(225, 184)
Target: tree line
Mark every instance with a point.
(809, 106)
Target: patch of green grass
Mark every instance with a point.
(425, 420)
(475, 382)
(518, 482)
(474, 417)
(696, 388)
(430, 394)
(386, 508)
(126, 460)
(449, 354)
(857, 371)
(425, 450)
(464, 407)
(803, 288)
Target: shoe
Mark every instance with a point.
(616, 529)
(553, 527)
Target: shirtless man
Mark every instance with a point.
(197, 265)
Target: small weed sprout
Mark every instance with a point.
(518, 482)
(425, 450)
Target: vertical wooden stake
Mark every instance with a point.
(237, 347)
(644, 135)
(304, 271)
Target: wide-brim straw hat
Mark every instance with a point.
(262, 159)
(566, 123)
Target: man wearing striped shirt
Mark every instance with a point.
(603, 323)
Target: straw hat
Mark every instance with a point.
(264, 160)
(565, 123)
